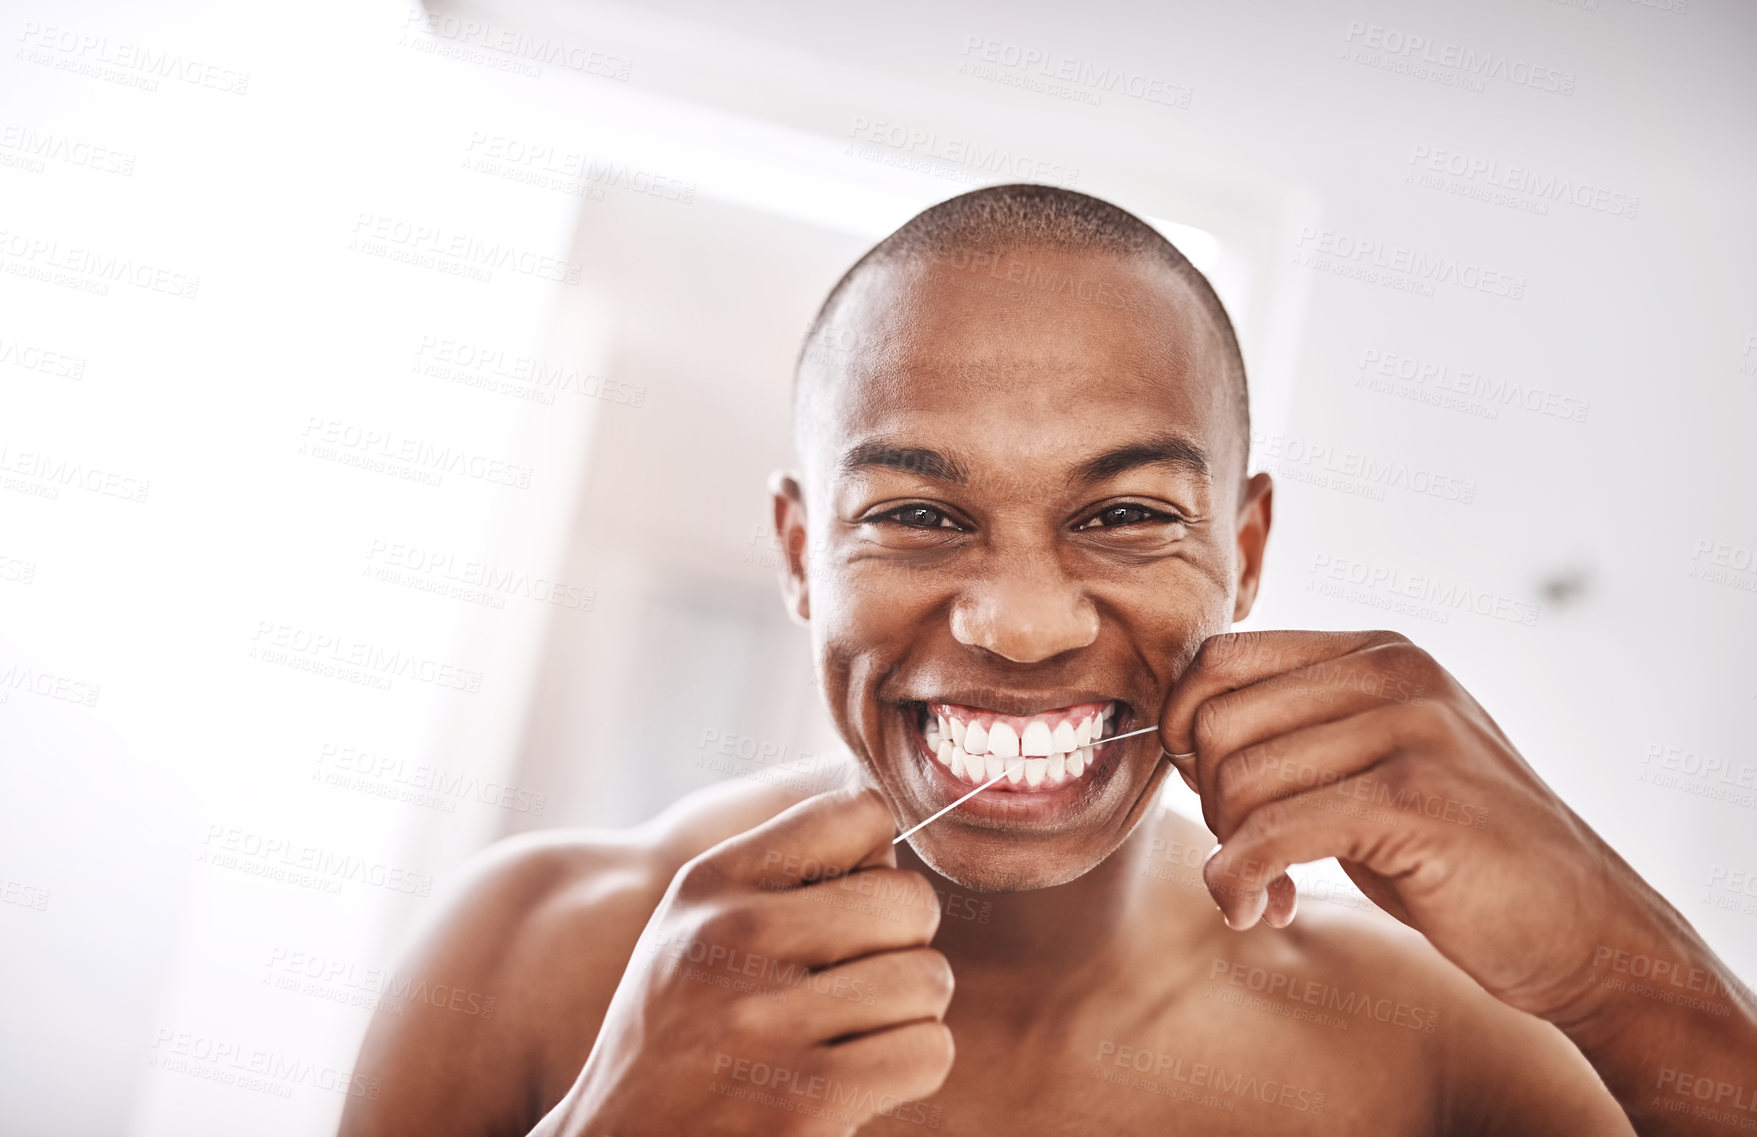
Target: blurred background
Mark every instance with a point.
(387, 394)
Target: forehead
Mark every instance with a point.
(1022, 347)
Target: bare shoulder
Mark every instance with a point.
(1486, 1068)
(1366, 1011)
(515, 972)
(1500, 1070)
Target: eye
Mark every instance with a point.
(918, 517)
(1127, 513)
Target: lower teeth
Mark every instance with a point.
(1030, 773)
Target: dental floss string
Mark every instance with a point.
(1004, 773)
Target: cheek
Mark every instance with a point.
(1172, 592)
(865, 619)
(870, 604)
(1165, 616)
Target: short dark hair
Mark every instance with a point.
(997, 218)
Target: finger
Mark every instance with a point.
(1231, 660)
(1305, 696)
(1297, 831)
(1282, 902)
(1185, 765)
(907, 1062)
(869, 994)
(829, 835)
(829, 922)
(1311, 758)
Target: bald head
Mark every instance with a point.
(975, 231)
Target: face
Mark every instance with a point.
(1020, 514)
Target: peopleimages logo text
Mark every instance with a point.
(1457, 57)
(1430, 267)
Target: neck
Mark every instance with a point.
(1057, 937)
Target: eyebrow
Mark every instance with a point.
(914, 459)
(1164, 449)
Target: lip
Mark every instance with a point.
(1018, 806)
(1003, 703)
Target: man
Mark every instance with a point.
(1022, 527)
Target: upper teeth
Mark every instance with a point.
(1055, 746)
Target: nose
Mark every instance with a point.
(1027, 613)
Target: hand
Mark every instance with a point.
(1359, 746)
(783, 986)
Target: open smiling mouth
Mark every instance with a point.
(1060, 748)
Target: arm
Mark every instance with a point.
(1667, 1025)
(1674, 1047)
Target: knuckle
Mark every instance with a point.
(943, 1048)
(731, 924)
(1230, 775)
(1218, 650)
(934, 972)
(1427, 720)
(1266, 763)
(747, 1020)
(1410, 785)
(1267, 822)
(934, 1051)
(919, 900)
(1405, 660)
(871, 804)
(1210, 724)
(701, 876)
(917, 891)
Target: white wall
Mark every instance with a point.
(192, 826)
(1261, 125)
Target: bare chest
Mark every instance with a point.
(1217, 1077)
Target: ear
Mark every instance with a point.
(1254, 514)
(791, 533)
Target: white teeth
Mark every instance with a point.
(1033, 756)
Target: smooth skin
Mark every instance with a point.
(1000, 504)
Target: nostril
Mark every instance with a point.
(1026, 628)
